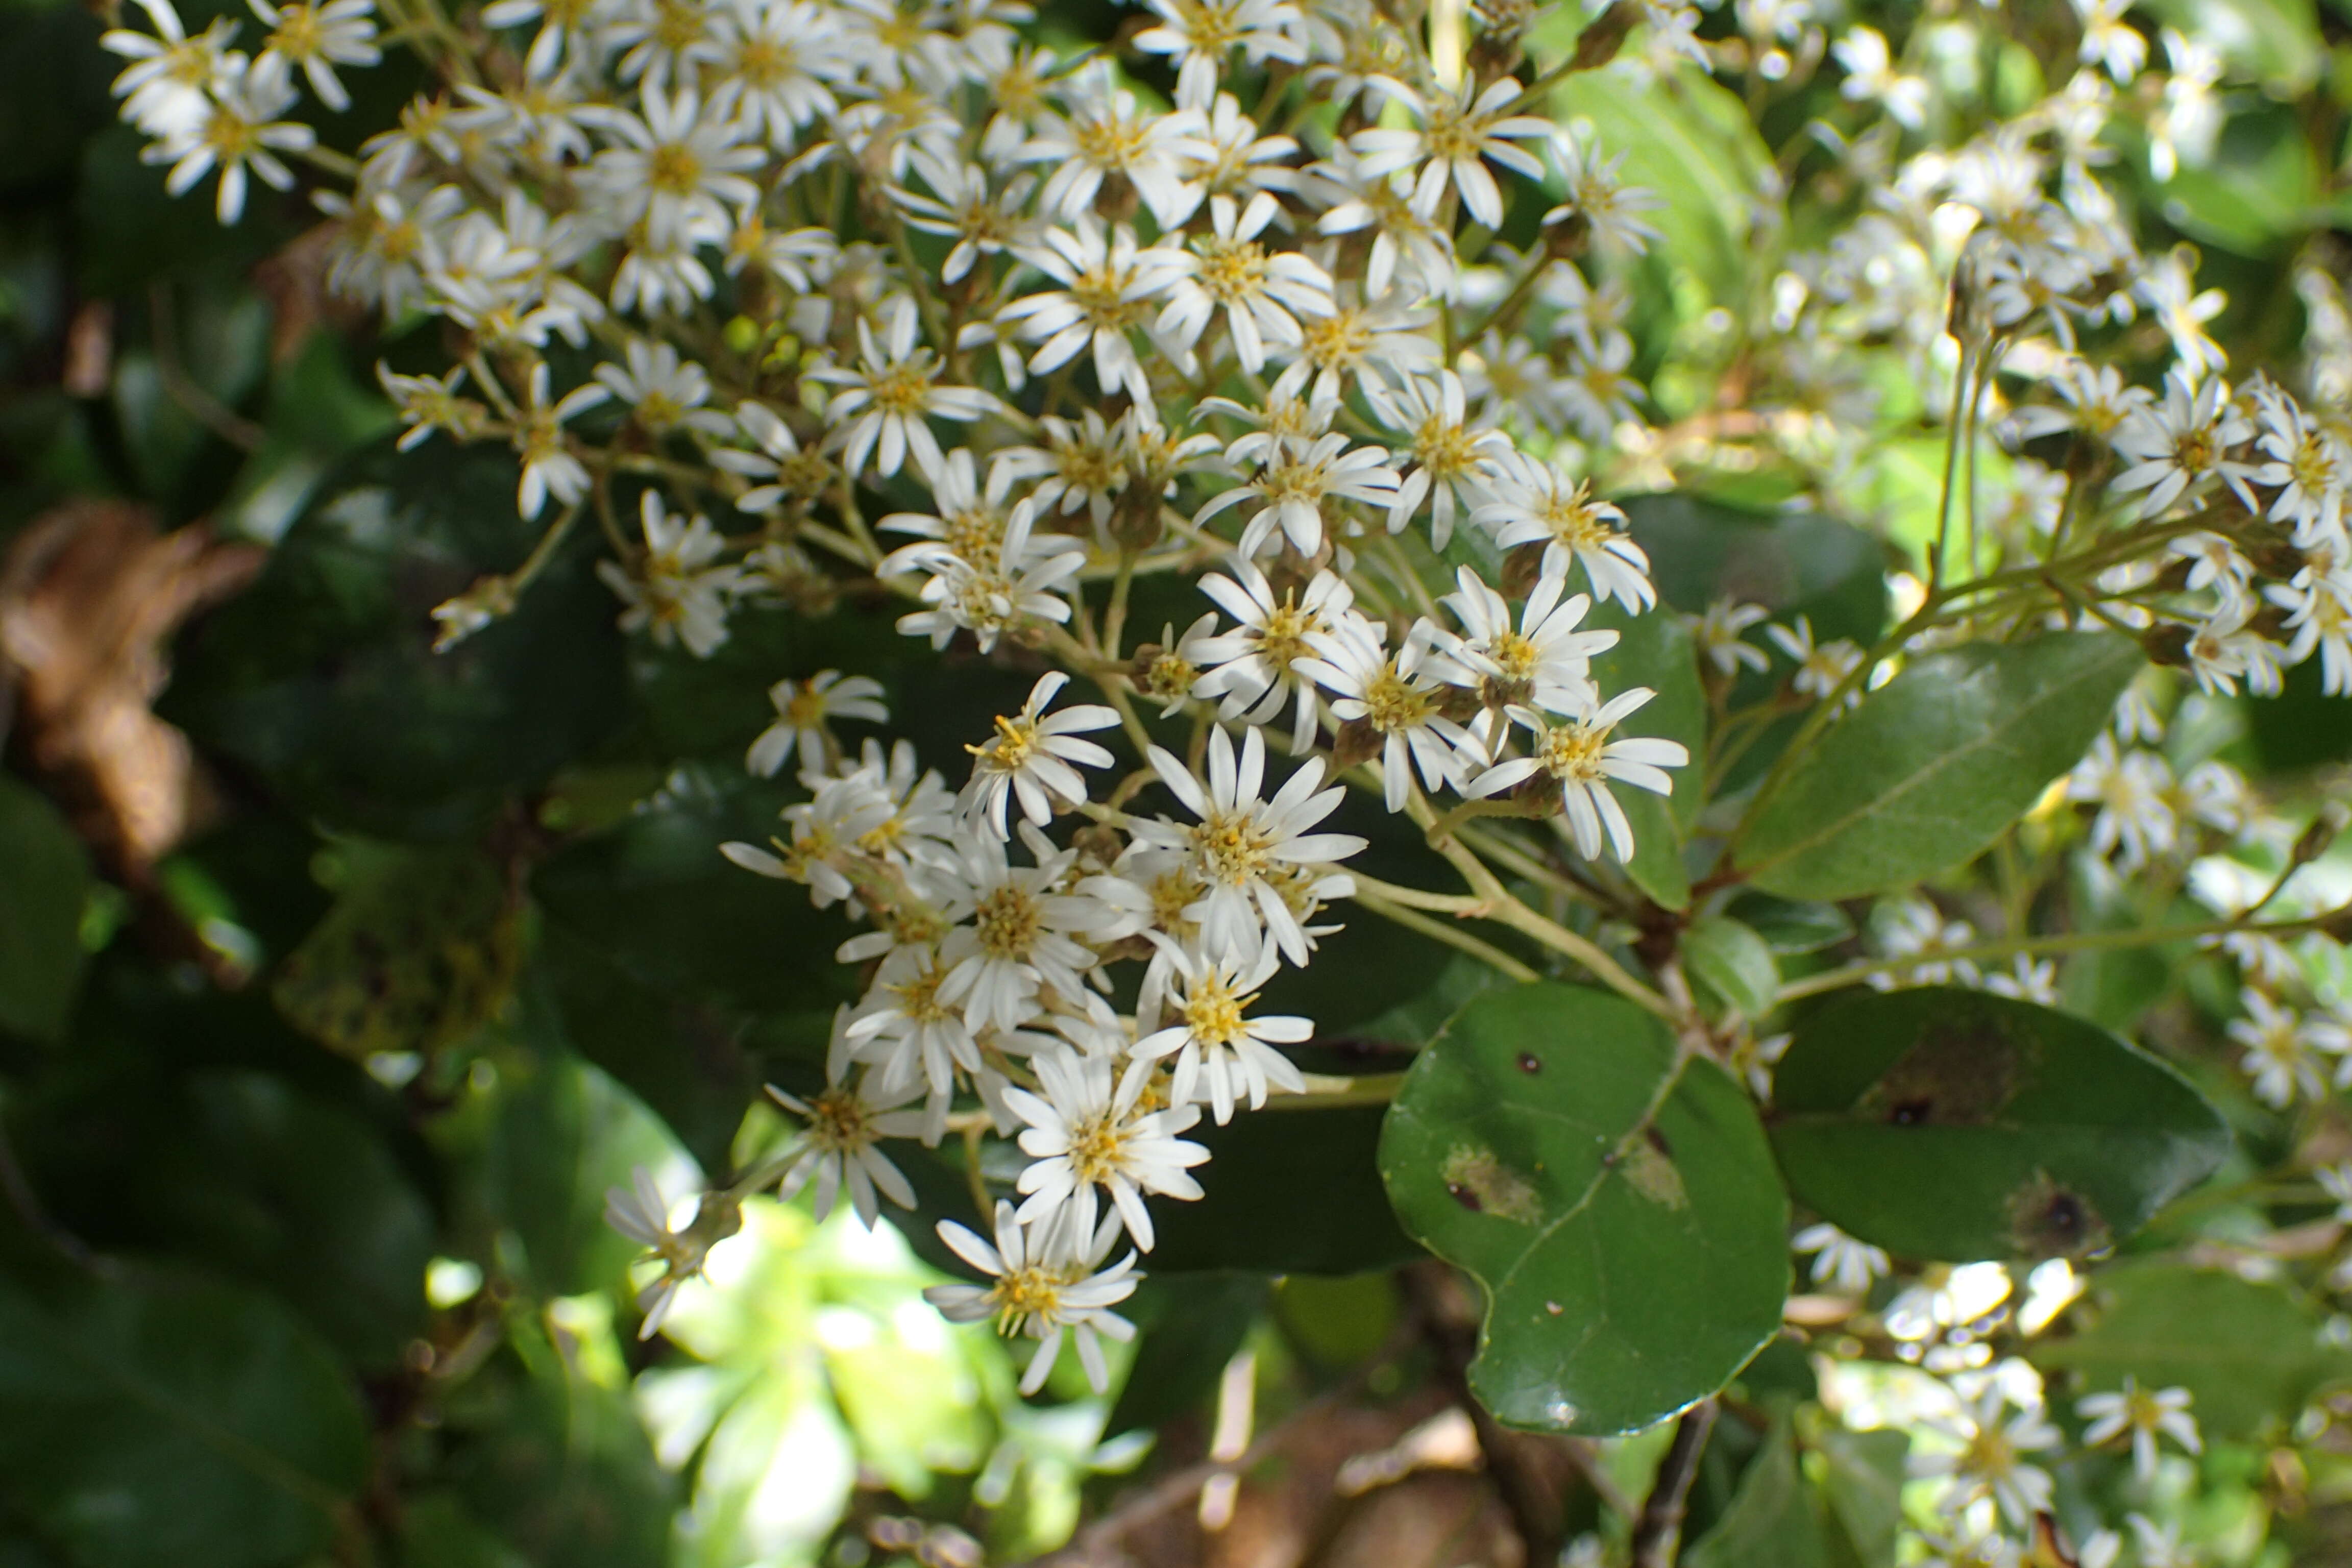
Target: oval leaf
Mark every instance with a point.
(1616, 1202)
(1947, 1123)
(1930, 768)
(1734, 962)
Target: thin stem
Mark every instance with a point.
(1453, 936)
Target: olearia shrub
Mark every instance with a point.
(1696, 635)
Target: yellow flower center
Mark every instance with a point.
(1007, 920)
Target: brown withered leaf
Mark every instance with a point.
(91, 595)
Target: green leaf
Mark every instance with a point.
(1791, 562)
(1288, 1191)
(1861, 1480)
(1773, 1521)
(1734, 962)
(419, 951)
(1655, 650)
(174, 1423)
(2259, 193)
(1950, 1123)
(2277, 42)
(44, 883)
(1931, 768)
(321, 678)
(2249, 1353)
(1788, 925)
(1617, 1203)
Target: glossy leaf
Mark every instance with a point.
(43, 882)
(1654, 650)
(1618, 1205)
(2250, 1354)
(1941, 1122)
(173, 1422)
(1774, 1520)
(1789, 925)
(1931, 768)
(1862, 1482)
(1791, 562)
(1734, 962)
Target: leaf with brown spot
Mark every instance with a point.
(1948, 1123)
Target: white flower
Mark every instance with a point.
(909, 1035)
(639, 1212)
(2133, 791)
(1718, 634)
(549, 466)
(2182, 443)
(676, 590)
(1584, 756)
(164, 87)
(773, 61)
(667, 392)
(1451, 457)
(1262, 294)
(1250, 671)
(235, 129)
(677, 165)
(805, 712)
(1222, 1055)
(1992, 1457)
(981, 221)
(1822, 667)
(1296, 482)
(1397, 696)
(1871, 76)
(1199, 34)
(1545, 661)
(780, 468)
(1035, 758)
(2144, 1415)
(316, 38)
(1107, 133)
(1839, 1261)
(1536, 503)
(2284, 1051)
(1106, 283)
(1008, 588)
(1018, 940)
(843, 1125)
(1047, 1281)
(1248, 851)
(2319, 614)
(891, 395)
(1608, 210)
(1458, 134)
(1090, 1135)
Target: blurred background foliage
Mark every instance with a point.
(339, 980)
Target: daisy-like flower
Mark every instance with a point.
(1047, 1283)
(1451, 456)
(1396, 697)
(678, 167)
(909, 1035)
(1871, 77)
(1199, 34)
(1407, 248)
(2309, 465)
(773, 61)
(1296, 482)
(1533, 502)
(1034, 758)
(676, 593)
(162, 87)
(1993, 1458)
(982, 221)
(1250, 670)
(1246, 849)
(1262, 294)
(567, 29)
(2286, 1054)
(1459, 133)
(844, 1123)
(1585, 756)
(780, 470)
(1108, 133)
(236, 129)
(639, 1212)
(1545, 661)
(1720, 631)
(2182, 443)
(430, 403)
(2145, 1417)
(2133, 791)
(1107, 281)
(1014, 585)
(1822, 667)
(888, 400)
(1222, 1055)
(1019, 938)
(1840, 1262)
(660, 40)
(2318, 607)
(1090, 1136)
(315, 39)
(805, 713)
(1608, 210)
(549, 466)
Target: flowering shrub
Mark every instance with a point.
(1675, 597)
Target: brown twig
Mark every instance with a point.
(1658, 1533)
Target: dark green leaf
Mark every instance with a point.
(1773, 1520)
(1286, 1192)
(44, 883)
(176, 1423)
(1189, 1328)
(322, 679)
(1789, 926)
(1654, 650)
(1932, 767)
(1734, 962)
(1791, 562)
(1617, 1201)
(2250, 1354)
(1950, 1123)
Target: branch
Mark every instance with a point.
(1658, 1533)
